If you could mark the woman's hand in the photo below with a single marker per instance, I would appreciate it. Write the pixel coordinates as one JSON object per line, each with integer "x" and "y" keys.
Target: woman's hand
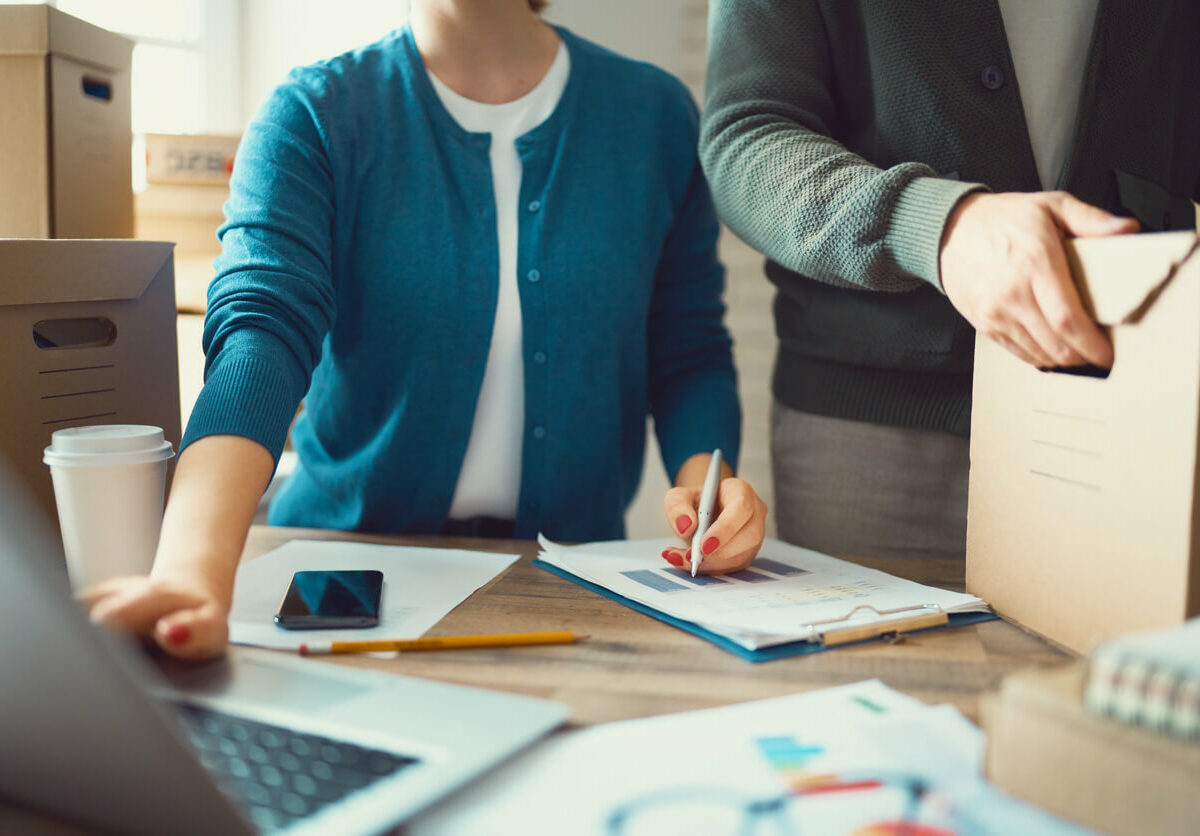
{"x": 180, "y": 617}
{"x": 183, "y": 605}
{"x": 739, "y": 523}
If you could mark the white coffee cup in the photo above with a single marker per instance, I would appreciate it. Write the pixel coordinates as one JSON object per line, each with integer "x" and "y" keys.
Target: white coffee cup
{"x": 109, "y": 482}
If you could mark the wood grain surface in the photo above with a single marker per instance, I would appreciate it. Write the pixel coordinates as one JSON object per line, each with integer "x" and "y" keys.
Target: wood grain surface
{"x": 635, "y": 666}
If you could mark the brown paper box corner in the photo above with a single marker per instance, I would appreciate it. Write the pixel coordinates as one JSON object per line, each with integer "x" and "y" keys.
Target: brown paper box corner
{"x": 88, "y": 336}
{"x": 65, "y": 136}
{"x": 1082, "y": 520}
{"x": 1046, "y": 748}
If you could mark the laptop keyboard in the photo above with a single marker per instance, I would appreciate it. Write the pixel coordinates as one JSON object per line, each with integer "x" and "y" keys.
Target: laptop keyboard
{"x": 278, "y": 775}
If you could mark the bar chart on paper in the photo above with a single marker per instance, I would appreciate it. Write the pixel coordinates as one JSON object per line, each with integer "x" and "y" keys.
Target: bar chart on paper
{"x": 787, "y": 595}
{"x": 836, "y": 762}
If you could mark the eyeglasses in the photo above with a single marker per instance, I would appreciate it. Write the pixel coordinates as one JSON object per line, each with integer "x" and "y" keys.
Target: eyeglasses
{"x": 856, "y": 805}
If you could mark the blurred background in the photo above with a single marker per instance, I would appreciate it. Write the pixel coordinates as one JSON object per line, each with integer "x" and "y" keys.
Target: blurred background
{"x": 201, "y": 68}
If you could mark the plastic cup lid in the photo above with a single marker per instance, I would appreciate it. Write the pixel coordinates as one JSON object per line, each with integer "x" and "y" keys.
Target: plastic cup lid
{"x": 108, "y": 444}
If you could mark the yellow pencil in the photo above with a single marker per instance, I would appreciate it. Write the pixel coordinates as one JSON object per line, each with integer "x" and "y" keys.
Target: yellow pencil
{"x": 441, "y": 642}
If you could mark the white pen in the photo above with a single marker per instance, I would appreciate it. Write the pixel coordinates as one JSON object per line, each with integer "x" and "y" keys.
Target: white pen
{"x": 708, "y": 498}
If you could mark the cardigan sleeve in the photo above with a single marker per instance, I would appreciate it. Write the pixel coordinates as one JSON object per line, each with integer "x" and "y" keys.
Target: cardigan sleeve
{"x": 780, "y": 178}
{"x": 692, "y": 382}
{"x": 271, "y": 301}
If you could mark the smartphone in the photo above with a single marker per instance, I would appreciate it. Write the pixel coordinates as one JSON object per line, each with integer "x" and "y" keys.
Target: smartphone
{"x": 327, "y": 599}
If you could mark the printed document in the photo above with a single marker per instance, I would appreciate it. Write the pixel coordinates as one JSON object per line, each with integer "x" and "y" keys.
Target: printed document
{"x": 420, "y": 586}
{"x": 787, "y": 594}
{"x": 846, "y": 761}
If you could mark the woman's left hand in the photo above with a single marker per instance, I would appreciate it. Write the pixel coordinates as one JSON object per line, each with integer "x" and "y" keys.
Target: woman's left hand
{"x": 735, "y": 535}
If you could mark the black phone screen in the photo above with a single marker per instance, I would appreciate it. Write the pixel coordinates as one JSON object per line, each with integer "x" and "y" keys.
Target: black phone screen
{"x": 320, "y": 600}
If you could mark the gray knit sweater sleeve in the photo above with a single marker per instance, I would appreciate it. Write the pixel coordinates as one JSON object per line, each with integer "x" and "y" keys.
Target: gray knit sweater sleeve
{"x": 779, "y": 176}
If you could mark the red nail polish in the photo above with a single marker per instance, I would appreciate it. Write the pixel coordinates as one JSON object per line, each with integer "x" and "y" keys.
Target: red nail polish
{"x": 683, "y": 522}
{"x": 672, "y": 558}
{"x": 178, "y": 634}
{"x": 710, "y": 545}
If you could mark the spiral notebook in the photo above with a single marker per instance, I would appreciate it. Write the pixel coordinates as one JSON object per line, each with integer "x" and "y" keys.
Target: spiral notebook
{"x": 790, "y": 601}
{"x": 1149, "y": 679}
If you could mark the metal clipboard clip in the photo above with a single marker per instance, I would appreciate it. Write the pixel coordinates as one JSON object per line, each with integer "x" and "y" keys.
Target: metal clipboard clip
{"x": 922, "y": 616}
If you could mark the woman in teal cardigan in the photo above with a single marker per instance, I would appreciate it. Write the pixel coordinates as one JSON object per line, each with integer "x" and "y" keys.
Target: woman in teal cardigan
{"x": 370, "y": 217}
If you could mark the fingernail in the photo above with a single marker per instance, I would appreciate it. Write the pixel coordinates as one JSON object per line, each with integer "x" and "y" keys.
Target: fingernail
{"x": 178, "y": 634}
{"x": 710, "y": 545}
{"x": 683, "y": 522}
{"x": 672, "y": 558}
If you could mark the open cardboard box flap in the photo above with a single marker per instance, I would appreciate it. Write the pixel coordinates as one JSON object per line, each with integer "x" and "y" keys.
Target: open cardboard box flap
{"x": 51, "y": 270}
{"x": 1083, "y": 517}
{"x": 1121, "y": 276}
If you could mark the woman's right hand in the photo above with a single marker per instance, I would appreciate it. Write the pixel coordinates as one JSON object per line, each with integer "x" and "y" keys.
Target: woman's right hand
{"x": 180, "y": 617}
{"x": 183, "y": 604}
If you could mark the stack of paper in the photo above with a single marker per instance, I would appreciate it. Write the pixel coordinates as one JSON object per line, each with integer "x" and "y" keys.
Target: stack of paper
{"x": 788, "y": 594}
{"x": 839, "y": 762}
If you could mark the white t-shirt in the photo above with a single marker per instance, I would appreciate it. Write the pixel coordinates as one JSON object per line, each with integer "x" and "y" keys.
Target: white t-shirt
{"x": 489, "y": 483}
{"x": 1049, "y": 41}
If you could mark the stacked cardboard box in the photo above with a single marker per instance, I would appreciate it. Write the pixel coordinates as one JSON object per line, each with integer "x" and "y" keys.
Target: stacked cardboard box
{"x": 65, "y": 140}
{"x": 187, "y": 184}
{"x": 87, "y": 333}
{"x": 1044, "y": 747}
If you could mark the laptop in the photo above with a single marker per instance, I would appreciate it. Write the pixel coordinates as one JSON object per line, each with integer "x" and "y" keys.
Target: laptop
{"x": 91, "y": 730}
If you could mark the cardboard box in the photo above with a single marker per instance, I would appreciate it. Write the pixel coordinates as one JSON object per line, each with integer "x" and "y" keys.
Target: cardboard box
{"x": 87, "y": 333}
{"x": 1083, "y": 520}
{"x": 189, "y": 216}
{"x": 65, "y": 138}
{"x": 190, "y": 158}
{"x": 1044, "y": 747}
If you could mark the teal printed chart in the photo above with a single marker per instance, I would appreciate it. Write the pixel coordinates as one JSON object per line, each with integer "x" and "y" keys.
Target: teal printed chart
{"x": 784, "y": 570}
{"x": 654, "y": 580}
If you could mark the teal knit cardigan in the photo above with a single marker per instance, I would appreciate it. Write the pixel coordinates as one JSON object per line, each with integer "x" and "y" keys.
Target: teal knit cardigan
{"x": 360, "y": 254}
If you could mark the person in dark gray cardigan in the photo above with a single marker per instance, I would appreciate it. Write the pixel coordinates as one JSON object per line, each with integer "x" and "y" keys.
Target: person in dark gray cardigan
{"x": 891, "y": 160}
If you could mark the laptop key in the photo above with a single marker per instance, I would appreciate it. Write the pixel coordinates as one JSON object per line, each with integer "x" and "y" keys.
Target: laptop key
{"x": 279, "y": 775}
{"x": 270, "y": 776}
{"x": 304, "y": 785}
{"x": 287, "y": 761}
{"x": 238, "y": 768}
{"x": 295, "y": 805}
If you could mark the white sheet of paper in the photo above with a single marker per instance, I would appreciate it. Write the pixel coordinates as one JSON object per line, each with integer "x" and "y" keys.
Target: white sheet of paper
{"x": 701, "y": 763}
{"x": 786, "y": 589}
{"x": 420, "y": 586}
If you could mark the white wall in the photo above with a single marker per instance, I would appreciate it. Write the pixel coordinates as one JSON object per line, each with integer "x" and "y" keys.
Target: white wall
{"x": 280, "y": 34}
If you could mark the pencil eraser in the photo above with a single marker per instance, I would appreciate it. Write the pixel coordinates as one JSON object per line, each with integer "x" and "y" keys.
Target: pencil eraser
{"x": 303, "y": 649}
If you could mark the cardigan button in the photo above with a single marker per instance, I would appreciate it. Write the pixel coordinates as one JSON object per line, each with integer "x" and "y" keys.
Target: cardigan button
{"x": 539, "y": 432}
{"x": 992, "y": 77}
{"x": 539, "y": 357}
{"x": 534, "y": 275}
{"x": 534, "y": 205}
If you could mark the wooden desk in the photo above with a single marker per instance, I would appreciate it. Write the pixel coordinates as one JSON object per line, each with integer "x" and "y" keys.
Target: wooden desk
{"x": 635, "y": 666}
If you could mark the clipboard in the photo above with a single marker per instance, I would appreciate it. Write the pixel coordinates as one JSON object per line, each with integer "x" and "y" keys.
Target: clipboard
{"x": 915, "y": 619}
